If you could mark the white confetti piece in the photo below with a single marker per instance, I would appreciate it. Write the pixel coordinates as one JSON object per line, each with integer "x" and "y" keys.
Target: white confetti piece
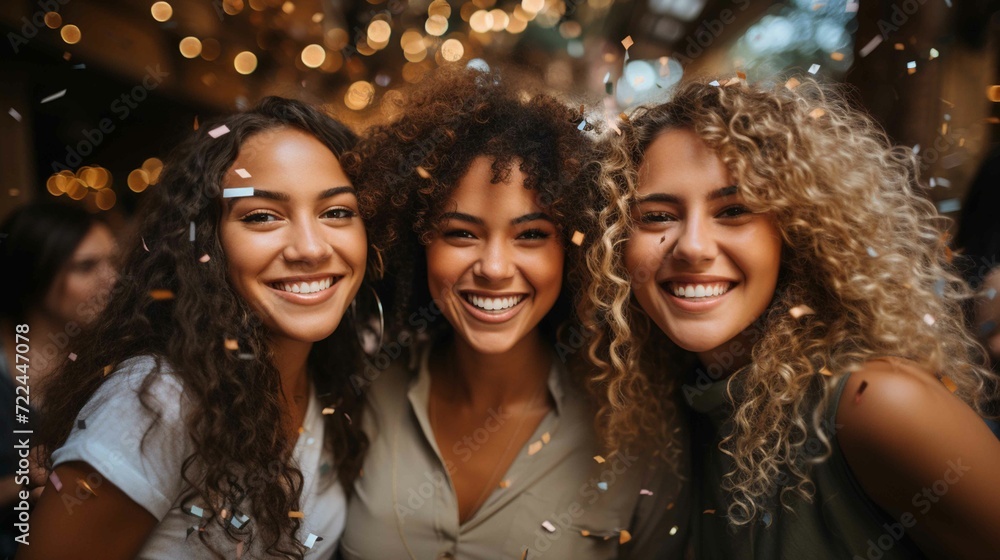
{"x": 144, "y": 244}
{"x": 191, "y": 232}
{"x": 867, "y": 49}
{"x": 929, "y": 319}
{"x": 949, "y": 205}
{"x": 602, "y": 486}
{"x": 851, "y": 8}
{"x": 243, "y": 173}
{"x": 310, "y": 541}
{"x": 218, "y": 131}
{"x": 54, "y": 96}
{"x": 911, "y": 64}
{"x": 548, "y": 526}
{"x": 991, "y": 293}
{"x": 13, "y": 113}
{"x": 814, "y": 68}
{"x": 714, "y": 83}
{"x": 196, "y": 511}
{"x": 801, "y": 311}
{"x": 237, "y": 192}
{"x": 872, "y": 253}
{"x": 934, "y": 54}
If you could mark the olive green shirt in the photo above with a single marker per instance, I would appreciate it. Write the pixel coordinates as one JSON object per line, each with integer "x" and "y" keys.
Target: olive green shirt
{"x": 841, "y": 522}
{"x": 556, "y": 500}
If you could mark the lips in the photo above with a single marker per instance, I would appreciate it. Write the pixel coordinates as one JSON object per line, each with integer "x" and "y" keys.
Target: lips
{"x": 306, "y": 290}
{"x": 493, "y": 304}
{"x": 492, "y": 308}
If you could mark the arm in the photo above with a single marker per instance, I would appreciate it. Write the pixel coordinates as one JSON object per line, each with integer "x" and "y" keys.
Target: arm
{"x": 919, "y": 451}
{"x": 75, "y": 523}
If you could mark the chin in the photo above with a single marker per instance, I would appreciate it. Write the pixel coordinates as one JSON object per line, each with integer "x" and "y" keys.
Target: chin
{"x": 493, "y": 343}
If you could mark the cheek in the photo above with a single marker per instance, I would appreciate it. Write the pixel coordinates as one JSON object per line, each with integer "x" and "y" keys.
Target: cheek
{"x": 641, "y": 257}
{"x": 442, "y": 263}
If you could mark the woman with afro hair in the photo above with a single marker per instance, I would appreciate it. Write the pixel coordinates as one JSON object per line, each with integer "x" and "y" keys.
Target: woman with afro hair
{"x": 774, "y": 256}
{"x": 483, "y": 438}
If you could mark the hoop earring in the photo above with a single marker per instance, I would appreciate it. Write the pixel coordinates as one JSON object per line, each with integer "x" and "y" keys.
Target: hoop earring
{"x": 370, "y": 338}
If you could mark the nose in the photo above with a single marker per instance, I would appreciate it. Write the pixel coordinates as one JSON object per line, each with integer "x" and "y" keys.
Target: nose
{"x": 495, "y": 263}
{"x": 306, "y": 243}
{"x": 696, "y": 242}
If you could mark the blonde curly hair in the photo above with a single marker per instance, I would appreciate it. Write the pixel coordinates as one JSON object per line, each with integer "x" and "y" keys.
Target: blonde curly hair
{"x": 861, "y": 247}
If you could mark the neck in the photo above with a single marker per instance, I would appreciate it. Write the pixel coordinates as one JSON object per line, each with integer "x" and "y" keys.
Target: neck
{"x": 729, "y": 357}
{"x": 290, "y": 358}
{"x": 494, "y": 380}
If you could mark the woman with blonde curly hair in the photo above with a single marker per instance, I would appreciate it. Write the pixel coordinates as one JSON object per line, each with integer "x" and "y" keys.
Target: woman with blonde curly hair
{"x": 800, "y": 290}
{"x": 483, "y": 442}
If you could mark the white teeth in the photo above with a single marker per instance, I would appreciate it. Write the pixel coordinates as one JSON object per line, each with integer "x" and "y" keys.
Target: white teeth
{"x": 699, "y": 290}
{"x": 305, "y": 287}
{"x": 493, "y": 304}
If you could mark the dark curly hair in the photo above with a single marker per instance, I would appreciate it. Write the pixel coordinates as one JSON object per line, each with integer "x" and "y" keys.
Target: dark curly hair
{"x": 237, "y": 431}
{"x": 411, "y": 166}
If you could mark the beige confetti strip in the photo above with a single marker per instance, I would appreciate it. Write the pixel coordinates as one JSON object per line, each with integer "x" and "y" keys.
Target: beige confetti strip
{"x": 296, "y": 514}
{"x": 423, "y": 172}
{"x": 546, "y": 438}
{"x": 599, "y": 459}
{"x": 577, "y": 238}
{"x": 505, "y": 484}
{"x": 535, "y": 447}
{"x": 232, "y": 344}
{"x": 627, "y": 42}
{"x": 161, "y": 294}
{"x": 800, "y": 311}
{"x": 949, "y": 383}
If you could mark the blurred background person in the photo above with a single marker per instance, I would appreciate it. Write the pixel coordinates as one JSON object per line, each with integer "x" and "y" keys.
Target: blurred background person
{"x": 58, "y": 261}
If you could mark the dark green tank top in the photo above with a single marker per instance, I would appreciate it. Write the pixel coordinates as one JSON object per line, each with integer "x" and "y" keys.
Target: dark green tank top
{"x": 841, "y": 522}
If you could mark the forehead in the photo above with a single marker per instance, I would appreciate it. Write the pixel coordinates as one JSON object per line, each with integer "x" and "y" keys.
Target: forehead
{"x": 677, "y": 161}
{"x": 475, "y": 193}
{"x": 285, "y": 152}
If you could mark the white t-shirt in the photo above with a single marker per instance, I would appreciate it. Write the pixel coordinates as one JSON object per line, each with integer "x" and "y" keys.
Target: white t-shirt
{"x": 108, "y": 435}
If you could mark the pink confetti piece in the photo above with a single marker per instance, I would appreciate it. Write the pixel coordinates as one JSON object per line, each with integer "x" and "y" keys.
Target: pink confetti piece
{"x": 218, "y": 131}
{"x": 56, "y": 483}
{"x": 205, "y": 258}
{"x": 645, "y": 492}
{"x": 13, "y": 113}
{"x": 243, "y": 173}
{"x": 144, "y": 245}
{"x": 72, "y": 357}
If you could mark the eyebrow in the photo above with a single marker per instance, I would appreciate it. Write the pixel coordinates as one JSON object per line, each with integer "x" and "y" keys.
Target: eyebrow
{"x": 283, "y": 197}
{"x": 671, "y": 199}
{"x": 462, "y": 216}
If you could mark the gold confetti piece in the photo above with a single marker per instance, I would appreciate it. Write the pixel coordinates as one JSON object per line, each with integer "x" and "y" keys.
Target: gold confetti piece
{"x": 585, "y": 533}
{"x": 577, "y": 238}
{"x": 623, "y": 117}
{"x": 524, "y": 555}
{"x": 196, "y": 122}
{"x": 218, "y": 131}
{"x": 709, "y": 511}
{"x": 899, "y": 46}
{"x": 505, "y": 484}
{"x": 302, "y": 429}
{"x": 83, "y": 483}
{"x": 817, "y": 113}
{"x": 670, "y": 506}
{"x": 535, "y": 447}
{"x": 231, "y": 344}
{"x": 800, "y": 311}
{"x": 599, "y": 459}
{"x": 423, "y": 172}
{"x": 792, "y": 83}
{"x": 837, "y": 56}
{"x": 624, "y": 537}
{"x": 329, "y": 410}
{"x": 243, "y": 173}
{"x": 949, "y": 383}
{"x": 825, "y": 371}
{"x": 741, "y": 75}
{"x": 205, "y": 258}
{"x": 107, "y": 369}
{"x": 161, "y": 294}
{"x": 546, "y": 438}
{"x": 627, "y": 42}
{"x": 296, "y": 514}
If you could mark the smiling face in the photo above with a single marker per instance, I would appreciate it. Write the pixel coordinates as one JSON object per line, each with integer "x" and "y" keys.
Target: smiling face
{"x": 703, "y": 266}
{"x": 296, "y": 250}
{"x": 81, "y": 288}
{"x": 495, "y": 263}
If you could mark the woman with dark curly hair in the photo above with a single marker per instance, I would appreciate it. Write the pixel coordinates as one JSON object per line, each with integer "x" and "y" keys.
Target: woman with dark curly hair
{"x": 483, "y": 445}
{"x": 191, "y": 424}
{"x": 799, "y": 286}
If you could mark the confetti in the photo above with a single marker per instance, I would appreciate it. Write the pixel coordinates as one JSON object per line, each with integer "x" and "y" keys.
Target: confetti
{"x": 939, "y": 285}
{"x": 196, "y": 122}
{"x": 823, "y": 370}
{"x": 741, "y": 75}
{"x": 813, "y": 69}
{"x": 548, "y": 526}
{"x": 766, "y": 518}
{"x": 929, "y": 319}
{"x": 423, "y": 173}
{"x": 310, "y": 540}
{"x": 505, "y": 484}
{"x": 240, "y": 520}
{"x": 535, "y": 447}
{"x": 80, "y": 67}
{"x": 608, "y": 86}
{"x": 585, "y": 533}
{"x": 582, "y": 125}
{"x": 161, "y": 294}
{"x": 296, "y": 514}
{"x": 546, "y": 438}
{"x": 947, "y": 381}
{"x": 792, "y": 83}
{"x": 899, "y": 46}
{"x": 231, "y": 344}
{"x": 838, "y": 56}
{"x": 709, "y": 511}
{"x": 13, "y": 113}
{"x": 54, "y": 479}
{"x": 714, "y": 83}
{"x": 599, "y": 459}
{"x": 934, "y": 54}
{"x": 949, "y": 205}
{"x": 524, "y": 555}
{"x": 911, "y": 67}
{"x": 329, "y": 410}
{"x": 195, "y": 511}
{"x": 107, "y": 370}
{"x": 144, "y": 244}
{"x": 645, "y": 492}
{"x": 871, "y": 252}
{"x": 801, "y": 311}
{"x": 602, "y": 486}
{"x": 83, "y": 483}
{"x": 670, "y": 506}
{"x": 851, "y": 8}
{"x": 867, "y": 49}
{"x": 245, "y": 356}
{"x": 991, "y": 293}
{"x": 237, "y": 192}
{"x": 817, "y": 113}
{"x": 348, "y": 416}
{"x": 81, "y": 423}
{"x": 673, "y": 530}
{"x": 191, "y": 232}
{"x": 627, "y": 42}
{"x": 861, "y": 389}
{"x": 243, "y": 173}
{"x": 54, "y": 96}
{"x": 218, "y": 131}
{"x": 72, "y": 356}
{"x": 577, "y": 238}
{"x": 624, "y": 537}
{"x": 205, "y": 258}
